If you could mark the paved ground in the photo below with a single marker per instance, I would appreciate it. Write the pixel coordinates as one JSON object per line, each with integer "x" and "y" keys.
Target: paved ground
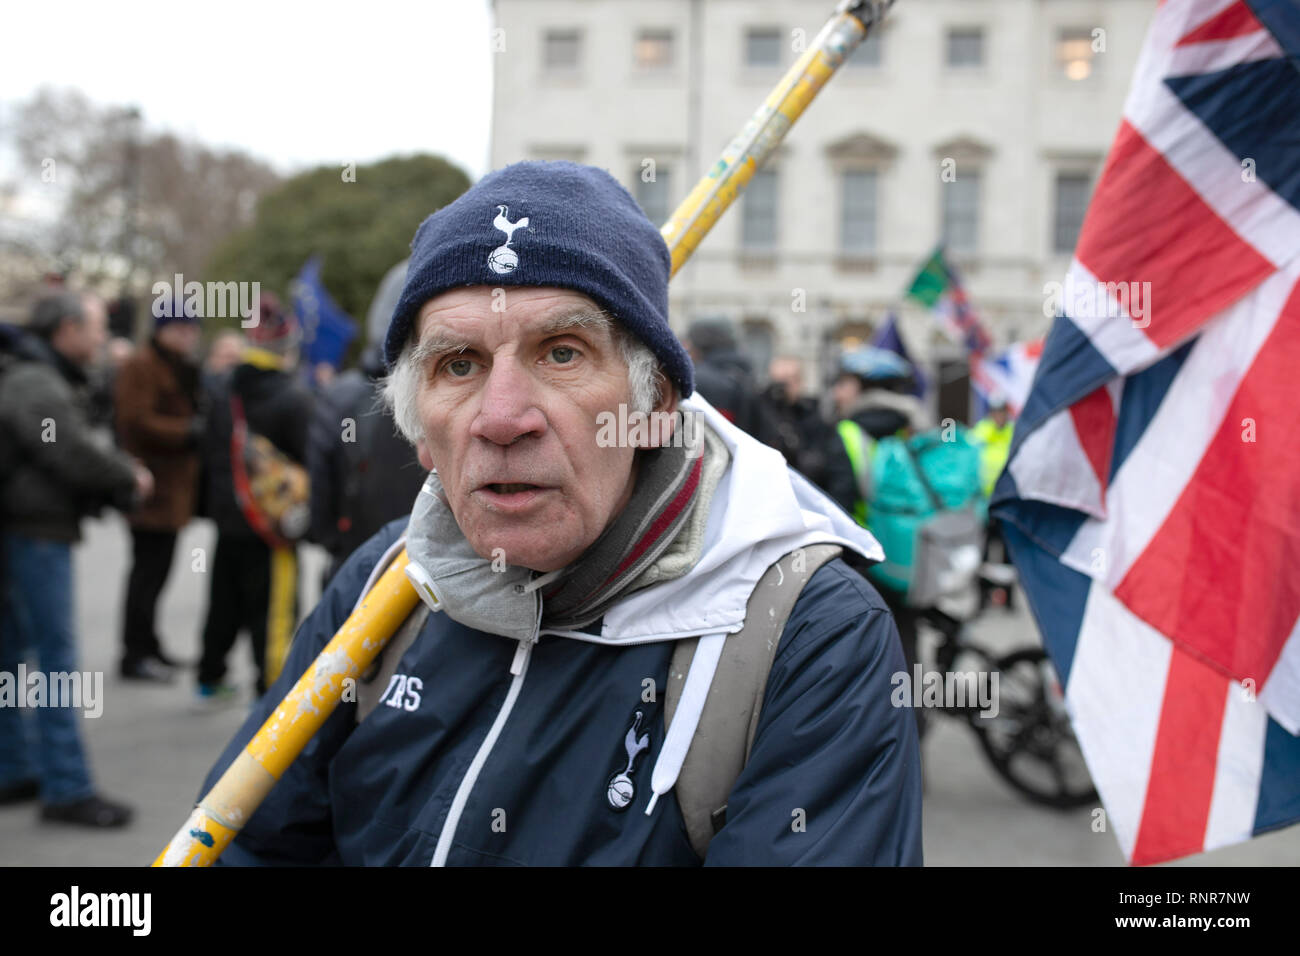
{"x": 152, "y": 749}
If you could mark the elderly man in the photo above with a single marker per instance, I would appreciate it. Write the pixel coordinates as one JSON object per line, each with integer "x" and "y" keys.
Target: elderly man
{"x": 644, "y": 646}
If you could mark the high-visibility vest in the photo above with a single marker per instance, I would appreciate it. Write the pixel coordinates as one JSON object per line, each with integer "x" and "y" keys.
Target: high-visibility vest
{"x": 859, "y": 446}
{"x": 995, "y": 445}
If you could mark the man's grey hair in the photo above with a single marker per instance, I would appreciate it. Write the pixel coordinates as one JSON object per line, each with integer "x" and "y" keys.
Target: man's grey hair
{"x": 645, "y": 376}
{"x": 50, "y": 311}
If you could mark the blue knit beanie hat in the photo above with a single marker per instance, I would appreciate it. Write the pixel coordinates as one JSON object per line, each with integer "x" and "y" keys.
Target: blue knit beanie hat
{"x": 554, "y": 224}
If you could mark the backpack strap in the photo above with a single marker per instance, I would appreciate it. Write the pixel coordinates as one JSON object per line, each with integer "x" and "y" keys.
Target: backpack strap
{"x": 725, "y": 733}
{"x": 930, "y": 493}
{"x": 373, "y": 683}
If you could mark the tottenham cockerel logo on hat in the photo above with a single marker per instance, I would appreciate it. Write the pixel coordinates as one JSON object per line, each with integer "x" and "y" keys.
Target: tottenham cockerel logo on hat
{"x": 503, "y": 259}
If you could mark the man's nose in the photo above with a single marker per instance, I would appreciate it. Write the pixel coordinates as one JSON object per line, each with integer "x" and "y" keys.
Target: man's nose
{"x": 509, "y": 409}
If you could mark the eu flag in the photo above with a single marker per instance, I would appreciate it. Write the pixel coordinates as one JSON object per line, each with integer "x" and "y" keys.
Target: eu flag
{"x": 326, "y": 329}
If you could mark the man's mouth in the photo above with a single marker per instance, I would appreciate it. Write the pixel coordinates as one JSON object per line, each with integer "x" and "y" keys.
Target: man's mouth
{"x": 511, "y": 497}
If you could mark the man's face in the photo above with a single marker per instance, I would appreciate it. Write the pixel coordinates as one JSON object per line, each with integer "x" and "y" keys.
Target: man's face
{"x": 225, "y": 353}
{"x": 183, "y": 338}
{"x": 788, "y": 373}
{"x": 509, "y": 399}
{"x": 845, "y": 392}
{"x": 82, "y": 342}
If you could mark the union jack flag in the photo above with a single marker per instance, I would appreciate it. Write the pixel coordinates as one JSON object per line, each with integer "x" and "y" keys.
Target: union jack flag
{"x": 1152, "y": 497}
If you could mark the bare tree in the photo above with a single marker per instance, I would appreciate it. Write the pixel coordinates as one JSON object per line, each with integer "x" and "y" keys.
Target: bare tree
{"x": 131, "y": 197}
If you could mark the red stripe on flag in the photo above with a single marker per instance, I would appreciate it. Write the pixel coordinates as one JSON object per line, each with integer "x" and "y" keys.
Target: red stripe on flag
{"x": 1181, "y": 784}
{"x": 1216, "y": 577}
{"x": 1145, "y": 224}
{"x": 1234, "y": 21}
{"x": 1094, "y": 423}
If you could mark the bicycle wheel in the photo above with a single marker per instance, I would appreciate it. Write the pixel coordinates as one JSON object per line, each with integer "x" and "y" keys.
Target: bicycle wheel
{"x": 1030, "y": 742}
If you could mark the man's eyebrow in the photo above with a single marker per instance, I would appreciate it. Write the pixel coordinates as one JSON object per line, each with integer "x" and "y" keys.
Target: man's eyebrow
{"x": 436, "y": 343}
{"x": 439, "y": 342}
{"x": 583, "y": 318}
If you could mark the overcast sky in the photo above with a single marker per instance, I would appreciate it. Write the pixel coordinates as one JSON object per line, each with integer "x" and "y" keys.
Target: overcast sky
{"x": 297, "y": 84}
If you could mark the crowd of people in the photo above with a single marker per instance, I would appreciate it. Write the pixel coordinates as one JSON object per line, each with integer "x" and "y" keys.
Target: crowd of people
{"x": 164, "y": 438}
{"x": 88, "y": 424}
{"x": 836, "y": 443}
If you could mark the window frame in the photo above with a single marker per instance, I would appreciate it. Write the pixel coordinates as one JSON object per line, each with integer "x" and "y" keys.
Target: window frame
{"x": 557, "y": 69}
{"x": 664, "y": 181}
{"x": 872, "y": 249}
{"x": 1058, "y": 175}
{"x": 654, "y": 68}
{"x": 972, "y": 173}
{"x": 747, "y": 201}
{"x": 970, "y": 28}
{"x": 747, "y": 36}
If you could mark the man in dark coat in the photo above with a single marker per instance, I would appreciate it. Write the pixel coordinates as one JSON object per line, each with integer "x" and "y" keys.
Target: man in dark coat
{"x": 248, "y": 581}
{"x": 791, "y": 422}
{"x": 363, "y": 473}
{"x": 156, "y": 407}
{"x": 722, "y": 373}
{"x": 57, "y": 469}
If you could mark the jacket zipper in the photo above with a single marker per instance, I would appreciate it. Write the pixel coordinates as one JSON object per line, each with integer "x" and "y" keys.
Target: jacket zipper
{"x": 518, "y": 668}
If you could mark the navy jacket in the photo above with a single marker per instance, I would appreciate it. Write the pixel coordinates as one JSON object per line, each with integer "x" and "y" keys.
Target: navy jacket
{"x": 833, "y": 777}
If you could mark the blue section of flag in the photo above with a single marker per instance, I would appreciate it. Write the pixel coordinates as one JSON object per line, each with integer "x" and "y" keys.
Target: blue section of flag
{"x": 1057, "y": 594}
{"x": 1279, "y": 782}
{"x": 327, "y": 330}
{"x": 1071, "y": 368}
{"x": 1282, "y": 19}
{"x": 888, "y": 338}
{"x": 1143, "y": 393}
{"x": 1254, "y": 110}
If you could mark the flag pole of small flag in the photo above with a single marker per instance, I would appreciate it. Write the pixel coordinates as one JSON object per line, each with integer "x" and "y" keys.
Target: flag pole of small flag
{"x": 1152, "y": 497}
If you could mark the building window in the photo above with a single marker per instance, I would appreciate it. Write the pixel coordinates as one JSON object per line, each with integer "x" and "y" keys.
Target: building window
{"x": 762, "y": 46}
{"x": 653, "y": 50}
{"x": 655, "y": 197}
{"x": 758, "y": 213}
{"x": 965, "y": 47}
{"x": 858, "y": 212}
{"x": 961, "y": 212}
{"x": 757, "y": 343}
{"x": 1074, "y": 53}
{"x": 1070, "y": 205}
{"x": 868, "y": 52}
{"x": 562, "y": 50}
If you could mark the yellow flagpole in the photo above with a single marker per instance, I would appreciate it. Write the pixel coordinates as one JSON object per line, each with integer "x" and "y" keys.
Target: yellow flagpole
{"x": 240, "y": 790}
{"x": 228, "y": 805}
{"x": 759, "y": 137}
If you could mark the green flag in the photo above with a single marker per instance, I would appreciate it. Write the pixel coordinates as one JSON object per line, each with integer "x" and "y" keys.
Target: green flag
{"x": 932, "y": 281}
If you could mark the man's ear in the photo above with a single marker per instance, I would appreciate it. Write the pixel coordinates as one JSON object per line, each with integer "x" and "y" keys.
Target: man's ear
{"x": 422, "y": 452}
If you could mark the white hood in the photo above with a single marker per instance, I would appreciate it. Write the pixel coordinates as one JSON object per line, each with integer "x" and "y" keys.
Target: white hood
{"x": 760, "y": 511}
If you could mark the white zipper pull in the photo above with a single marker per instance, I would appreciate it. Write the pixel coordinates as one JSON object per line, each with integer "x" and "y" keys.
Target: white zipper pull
{"x": 521, "y": 655}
